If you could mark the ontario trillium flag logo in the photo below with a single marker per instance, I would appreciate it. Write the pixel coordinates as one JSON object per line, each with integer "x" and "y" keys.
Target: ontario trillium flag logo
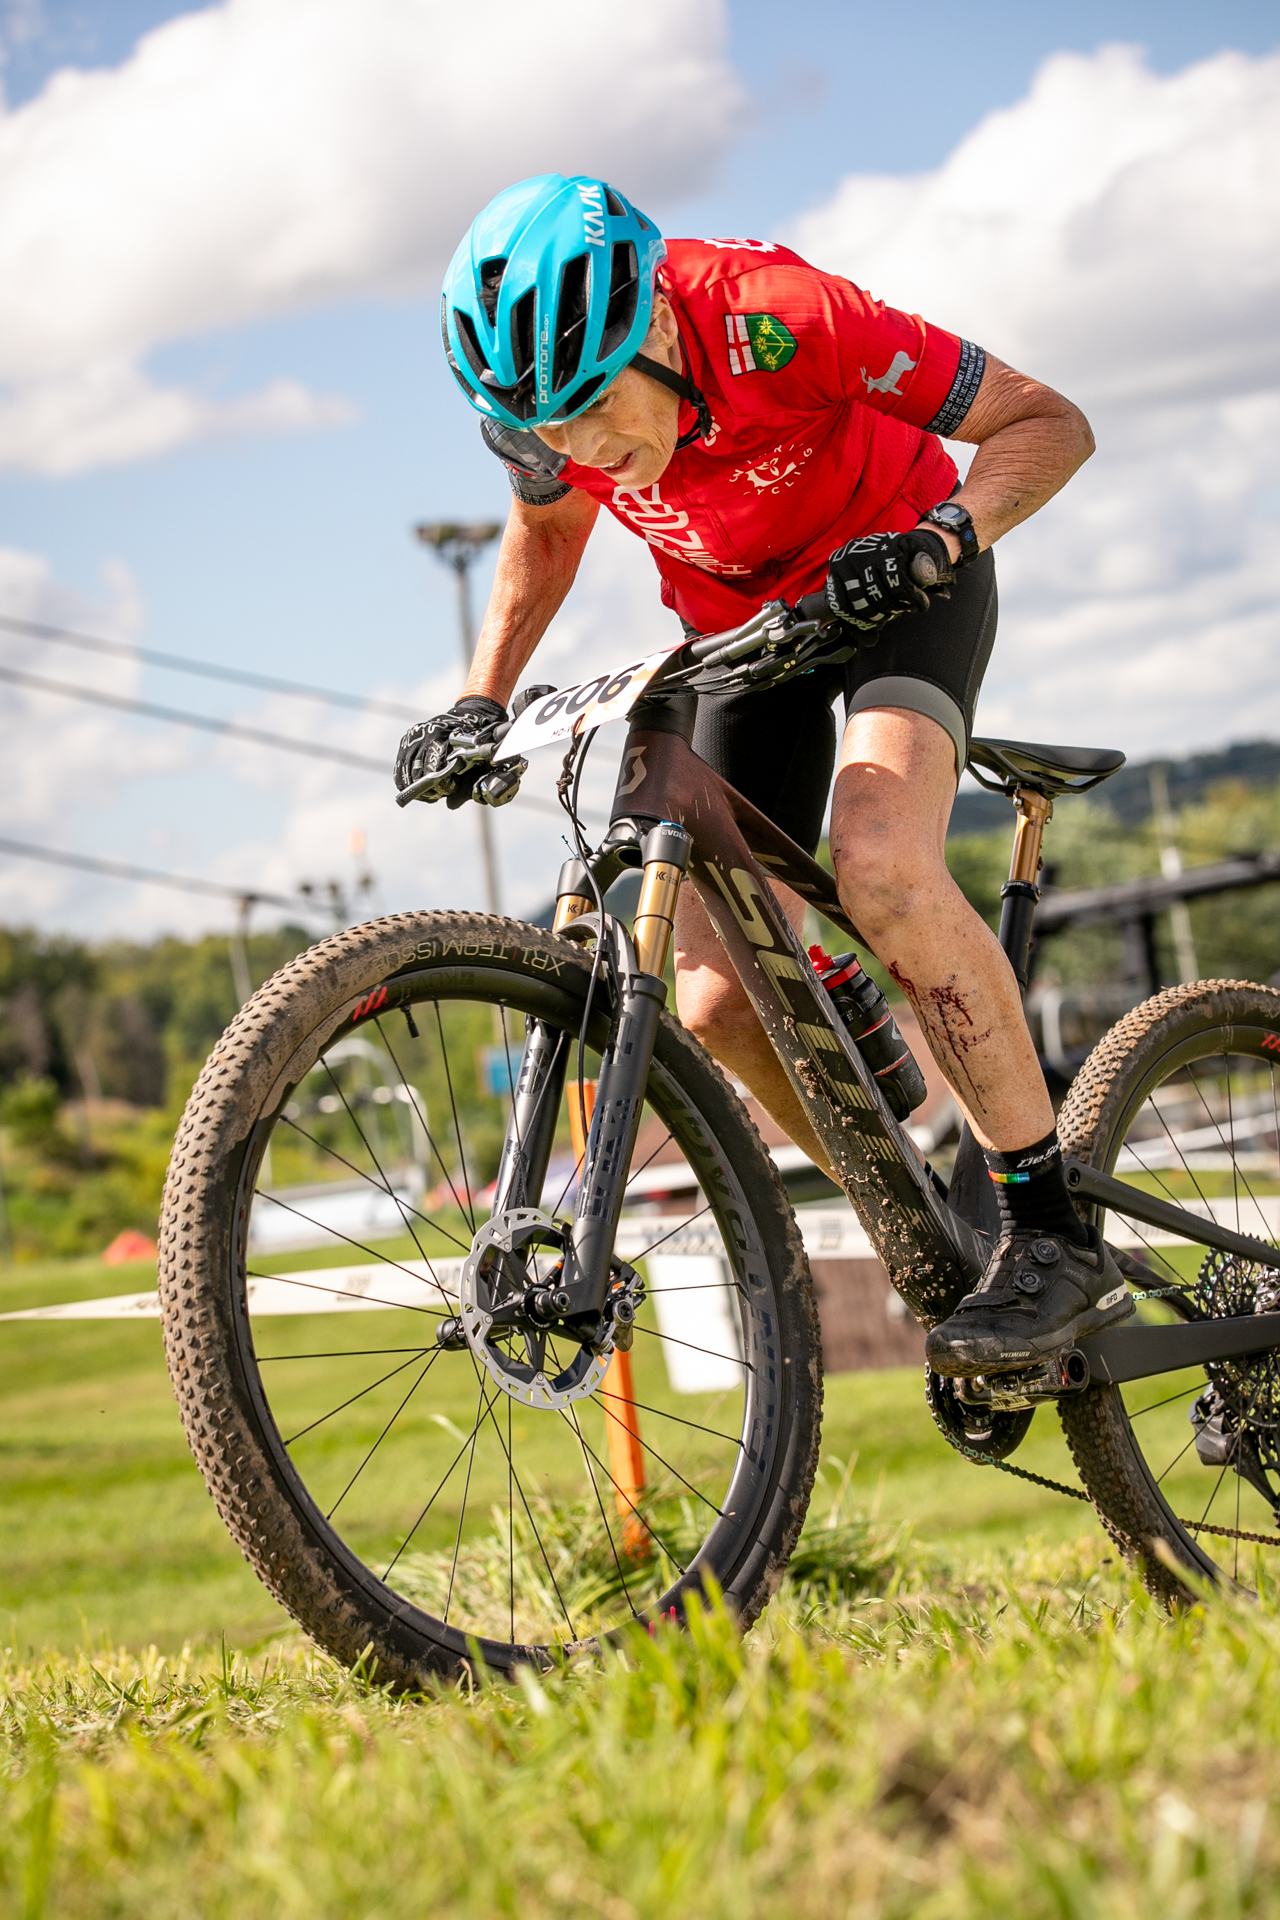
{"x": 758, "y": 342}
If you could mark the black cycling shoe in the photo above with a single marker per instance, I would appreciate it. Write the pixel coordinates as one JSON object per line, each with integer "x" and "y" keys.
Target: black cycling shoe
{"x": 1039, "y": 1295}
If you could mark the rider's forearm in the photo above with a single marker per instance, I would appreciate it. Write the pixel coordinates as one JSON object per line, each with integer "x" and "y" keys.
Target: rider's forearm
{"x": 537, "y": 563}
{"x": 1030, "y": 441}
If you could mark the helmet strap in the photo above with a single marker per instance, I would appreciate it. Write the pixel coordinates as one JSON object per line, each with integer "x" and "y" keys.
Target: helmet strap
{"x": 685, "y": 389}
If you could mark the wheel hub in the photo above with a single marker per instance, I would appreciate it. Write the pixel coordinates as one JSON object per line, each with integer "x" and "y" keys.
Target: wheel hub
{"x": 512, "y": 1317}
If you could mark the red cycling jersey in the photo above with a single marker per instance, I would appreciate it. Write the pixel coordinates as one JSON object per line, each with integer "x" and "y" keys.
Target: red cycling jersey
{"x": 825, "y": 406}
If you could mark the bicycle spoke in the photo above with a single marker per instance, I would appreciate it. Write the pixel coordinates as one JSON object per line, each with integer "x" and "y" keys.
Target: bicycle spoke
{"x": 1156, "y": 1405}
{"x": 440, "y": 1485}
{"x": 639, "y": 1513}
{"x": 466, "y": 1489}
{"x": 360, "y": 1174}
{"x": 386, "y": 1184}
{"x": 665, "y": 1465}
{"x": 313, "y": 1286}
{"x": 337, "y": 1353}
{"x": 663, "y": 1414}
{"x": 342, "y": 1406}
{"x": 457, "y": 1124}
{"x": 382, "y": 1436}
{"x": 604, "y": 1518}
{"x": 731, "y": 1359}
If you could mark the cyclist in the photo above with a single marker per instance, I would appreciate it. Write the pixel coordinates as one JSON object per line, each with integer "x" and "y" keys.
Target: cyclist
{"x": 770, "y": 429}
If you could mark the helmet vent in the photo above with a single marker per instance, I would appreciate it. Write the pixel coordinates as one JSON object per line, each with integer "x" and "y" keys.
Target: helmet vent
{"x": 491, "y": 272}
{"x": 614, "y": 205}
{"x": 470, "y": 344}
{"x": 624, "y": 294}
{"x": 524, "y": 322}
{"x": 571, "y": 320}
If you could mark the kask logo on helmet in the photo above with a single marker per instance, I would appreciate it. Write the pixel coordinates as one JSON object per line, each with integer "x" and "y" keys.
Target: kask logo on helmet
{"x": 592, "y": 214}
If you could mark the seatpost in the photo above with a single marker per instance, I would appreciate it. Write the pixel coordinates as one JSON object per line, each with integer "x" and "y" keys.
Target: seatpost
{"x": 1021, "y": 892}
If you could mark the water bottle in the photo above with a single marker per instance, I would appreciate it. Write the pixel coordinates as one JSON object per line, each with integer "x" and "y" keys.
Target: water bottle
{"x": 865, "y": 1011}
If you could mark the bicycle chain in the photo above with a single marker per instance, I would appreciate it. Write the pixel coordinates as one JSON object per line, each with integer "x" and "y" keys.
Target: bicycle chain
{"x": 1075, "y": 1493}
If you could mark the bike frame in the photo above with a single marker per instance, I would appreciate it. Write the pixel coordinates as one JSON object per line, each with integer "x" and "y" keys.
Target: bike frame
{"x": 934, "y": 1252}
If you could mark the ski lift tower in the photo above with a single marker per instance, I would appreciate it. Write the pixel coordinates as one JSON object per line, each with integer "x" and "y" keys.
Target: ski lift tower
{"x": 458, "y": 546}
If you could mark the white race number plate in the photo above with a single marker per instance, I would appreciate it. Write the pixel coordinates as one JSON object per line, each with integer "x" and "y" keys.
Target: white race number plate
{"x": 574, "y": 709}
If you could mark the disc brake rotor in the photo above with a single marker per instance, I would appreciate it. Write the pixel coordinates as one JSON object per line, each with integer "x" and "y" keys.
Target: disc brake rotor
{"x": 521, "y": 1348}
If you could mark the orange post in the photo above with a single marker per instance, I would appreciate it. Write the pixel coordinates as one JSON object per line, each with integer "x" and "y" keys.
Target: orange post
{"x": 622, "y": 1422}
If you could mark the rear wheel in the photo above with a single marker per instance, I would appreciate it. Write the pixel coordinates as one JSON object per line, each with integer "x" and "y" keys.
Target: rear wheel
{"x": 1181, "y": 1100}
{"x": 402, "y": 1488}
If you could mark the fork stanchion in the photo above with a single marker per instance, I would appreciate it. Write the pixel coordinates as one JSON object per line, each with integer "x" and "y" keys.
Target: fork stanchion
{"x": 626, "y": 1455}
{"x": 666, "y": 859}
{"x": 573, "y": 899}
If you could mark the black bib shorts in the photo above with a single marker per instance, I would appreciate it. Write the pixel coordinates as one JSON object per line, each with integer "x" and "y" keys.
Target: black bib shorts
{"x": 778, "y": 746}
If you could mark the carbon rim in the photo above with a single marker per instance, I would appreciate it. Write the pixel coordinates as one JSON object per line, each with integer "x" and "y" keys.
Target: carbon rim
{"x": 482, "y": 1525}
{"x": 1202, "y": 1128}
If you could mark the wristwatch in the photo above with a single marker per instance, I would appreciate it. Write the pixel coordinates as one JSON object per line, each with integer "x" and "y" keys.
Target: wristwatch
{"x": 955, "y": 518}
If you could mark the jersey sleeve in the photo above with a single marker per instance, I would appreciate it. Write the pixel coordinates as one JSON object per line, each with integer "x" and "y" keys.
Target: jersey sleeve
{"x": 829, "y": 341}
{"x": 899, "y": 364}
{"x": 533, "y": 470}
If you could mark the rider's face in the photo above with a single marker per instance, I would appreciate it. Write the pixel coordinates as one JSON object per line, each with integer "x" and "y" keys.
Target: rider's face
{"x": 630, "y": 432}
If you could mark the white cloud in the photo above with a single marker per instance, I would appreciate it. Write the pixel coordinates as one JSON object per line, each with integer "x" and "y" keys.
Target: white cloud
{"x": 261, "y": 156}
{"x": 1117, "y": 233}
{"x": 43, "y": 785}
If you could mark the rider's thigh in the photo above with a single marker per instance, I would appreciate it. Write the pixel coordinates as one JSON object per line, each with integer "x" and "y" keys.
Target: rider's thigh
{"x": 709, "y": 994}
{"x": 894, "y": 790}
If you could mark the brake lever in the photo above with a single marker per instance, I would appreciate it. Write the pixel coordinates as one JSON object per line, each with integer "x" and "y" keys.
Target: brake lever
{"x": 465, "y": 751}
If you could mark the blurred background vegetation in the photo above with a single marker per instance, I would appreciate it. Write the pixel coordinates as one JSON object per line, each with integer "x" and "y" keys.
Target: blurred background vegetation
{"x": 100, "y": 1045}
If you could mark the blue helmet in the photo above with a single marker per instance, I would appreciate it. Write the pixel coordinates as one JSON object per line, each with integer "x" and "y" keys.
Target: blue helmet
{"x": 548, "y": 297}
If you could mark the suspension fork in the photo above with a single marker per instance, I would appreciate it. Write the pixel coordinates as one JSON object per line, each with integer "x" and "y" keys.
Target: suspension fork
{"x": 624, "y": 1066}
{"x": 535, "y": 1110}
{"x": 971, "y": 1194}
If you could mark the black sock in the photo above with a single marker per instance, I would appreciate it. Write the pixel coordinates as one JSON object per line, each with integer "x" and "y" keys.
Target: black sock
{"x": 1031, "y": 1192}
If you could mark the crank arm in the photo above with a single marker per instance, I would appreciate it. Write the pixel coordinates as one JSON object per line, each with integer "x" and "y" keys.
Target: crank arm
{"x": 1086, "y": 1183}
{"x": 1135, "y": 1353}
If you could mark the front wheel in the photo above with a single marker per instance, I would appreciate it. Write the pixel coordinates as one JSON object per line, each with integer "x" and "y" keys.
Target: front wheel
{"x": 1181, "y": 1100}
{"x": 398, "y": 1489}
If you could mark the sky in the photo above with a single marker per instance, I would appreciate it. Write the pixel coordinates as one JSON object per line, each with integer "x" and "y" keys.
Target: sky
{"x": 223, "y": 405}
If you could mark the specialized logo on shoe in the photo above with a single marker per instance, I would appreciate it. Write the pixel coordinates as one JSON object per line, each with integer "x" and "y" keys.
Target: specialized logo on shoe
{"x": 888, "y": 381}
{"x": 758, "y": 342}
{"x": 1111, "y": 1299}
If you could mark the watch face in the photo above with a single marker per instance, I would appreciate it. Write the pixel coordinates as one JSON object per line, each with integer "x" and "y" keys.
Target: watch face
{"x": 953, "y": 516}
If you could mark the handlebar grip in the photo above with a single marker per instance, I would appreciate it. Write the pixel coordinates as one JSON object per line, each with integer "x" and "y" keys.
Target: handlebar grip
{"x": 924, "y": 570}
{"x": 813, "y": 606}
{"x": 406, "y": 794}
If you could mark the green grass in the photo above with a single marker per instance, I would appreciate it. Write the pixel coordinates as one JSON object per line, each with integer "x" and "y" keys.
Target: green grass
{"x": 109, "y": 1532}
{"x": 961, "y": 1706}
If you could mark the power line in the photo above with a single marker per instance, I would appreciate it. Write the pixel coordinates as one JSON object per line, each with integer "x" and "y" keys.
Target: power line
{"x": 177, "y": 717}
{"x": 208, "y": 669}
{"x": 121, "y": 870}
{"x": 282, "y": 741}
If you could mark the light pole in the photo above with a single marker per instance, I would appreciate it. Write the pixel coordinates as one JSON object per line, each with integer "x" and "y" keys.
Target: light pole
{"x": 458, "y": 546}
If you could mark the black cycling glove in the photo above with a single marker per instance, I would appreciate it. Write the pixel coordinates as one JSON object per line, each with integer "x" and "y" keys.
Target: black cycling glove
{"x": 425, "y": 749}
{"x": 869, "y": 581}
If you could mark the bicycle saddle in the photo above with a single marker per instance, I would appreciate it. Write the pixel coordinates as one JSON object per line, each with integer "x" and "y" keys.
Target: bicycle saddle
{"x": 1050, "y": 770}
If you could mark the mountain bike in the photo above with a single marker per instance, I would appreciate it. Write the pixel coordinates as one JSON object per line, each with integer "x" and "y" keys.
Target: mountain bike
{"x": 596, "y": 1386}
